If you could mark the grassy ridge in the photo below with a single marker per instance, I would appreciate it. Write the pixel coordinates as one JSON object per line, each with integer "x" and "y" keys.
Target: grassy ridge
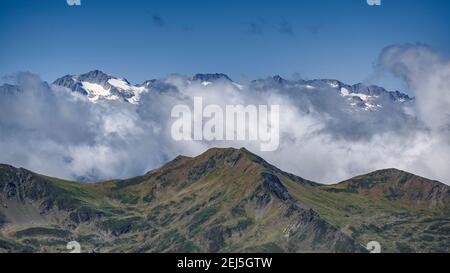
{"x": 226, "y": 200}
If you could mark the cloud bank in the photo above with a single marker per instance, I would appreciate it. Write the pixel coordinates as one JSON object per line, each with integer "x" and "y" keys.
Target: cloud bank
{"x": 56, "y": 132}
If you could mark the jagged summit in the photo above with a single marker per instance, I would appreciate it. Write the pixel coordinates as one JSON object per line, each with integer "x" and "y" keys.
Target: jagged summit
{"x": 96, "y": 76}
{"x": 278, "y": 79}
{"x": 210, "y": 77}
{"x": 99, "y": 86}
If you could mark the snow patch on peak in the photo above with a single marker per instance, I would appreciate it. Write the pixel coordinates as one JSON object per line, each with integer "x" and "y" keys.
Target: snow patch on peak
{"x": 119, "y": 83}
{"x": 96, "y": 89}
{"x": 364, "y": 97}
{"x": 334, "y": 84}
{"x": 366, "y": 101}
{"x": 97, "y": 85}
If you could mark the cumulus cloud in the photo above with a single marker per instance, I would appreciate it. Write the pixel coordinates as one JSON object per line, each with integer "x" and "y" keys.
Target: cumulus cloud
{"x": 427, "y": 75}
{"x": 52, "y": 131}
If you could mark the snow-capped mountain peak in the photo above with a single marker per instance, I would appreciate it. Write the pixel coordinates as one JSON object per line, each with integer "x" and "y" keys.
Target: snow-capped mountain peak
{"x": 97, "y": 86}
{"x": 361, "y": 97}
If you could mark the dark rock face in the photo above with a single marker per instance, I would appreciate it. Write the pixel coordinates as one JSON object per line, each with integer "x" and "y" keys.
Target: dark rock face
{"x": 272, "y": 184}
{"x": 260, "y": 198}
{"x": 379, "y": 91}
{"x": 321, "y": 235}
{"x": 278, "y": 79}
{"x": 21, "y": 184}
{"x": 26, "y": 187}
{"x": 70, "y": 83}
{"x": 95, "y": 76}
{"x": 210, "y": 77}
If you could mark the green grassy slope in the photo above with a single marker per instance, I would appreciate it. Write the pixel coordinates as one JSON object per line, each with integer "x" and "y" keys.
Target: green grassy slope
{"x": 405, "y": 213}
{"x": 225, "y": 200}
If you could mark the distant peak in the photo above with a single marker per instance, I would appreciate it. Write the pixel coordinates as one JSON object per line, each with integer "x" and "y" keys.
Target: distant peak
{"x": 278, "y": 79}
{"x": 210, "y": 77}
{"x": 95, "y": 72}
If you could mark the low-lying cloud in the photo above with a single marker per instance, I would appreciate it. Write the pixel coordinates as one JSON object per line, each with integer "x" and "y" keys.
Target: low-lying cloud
{"x": 50, "y": 130}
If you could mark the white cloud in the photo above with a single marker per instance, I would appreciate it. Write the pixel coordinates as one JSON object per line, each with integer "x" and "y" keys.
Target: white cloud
{"x": 53, "y": 132}
{"x": 428, "y": 76}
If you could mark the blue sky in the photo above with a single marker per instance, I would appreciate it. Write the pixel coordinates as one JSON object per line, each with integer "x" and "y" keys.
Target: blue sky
{"x": 142, "y": 40}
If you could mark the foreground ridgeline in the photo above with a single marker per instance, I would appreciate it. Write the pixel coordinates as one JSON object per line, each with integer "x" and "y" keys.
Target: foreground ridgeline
{"x": 225, "y": 200}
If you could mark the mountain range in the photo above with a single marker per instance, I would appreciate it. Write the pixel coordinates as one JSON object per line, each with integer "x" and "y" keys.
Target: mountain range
{"x": 97, "y": 85}
{"x": 224, "y": 200}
